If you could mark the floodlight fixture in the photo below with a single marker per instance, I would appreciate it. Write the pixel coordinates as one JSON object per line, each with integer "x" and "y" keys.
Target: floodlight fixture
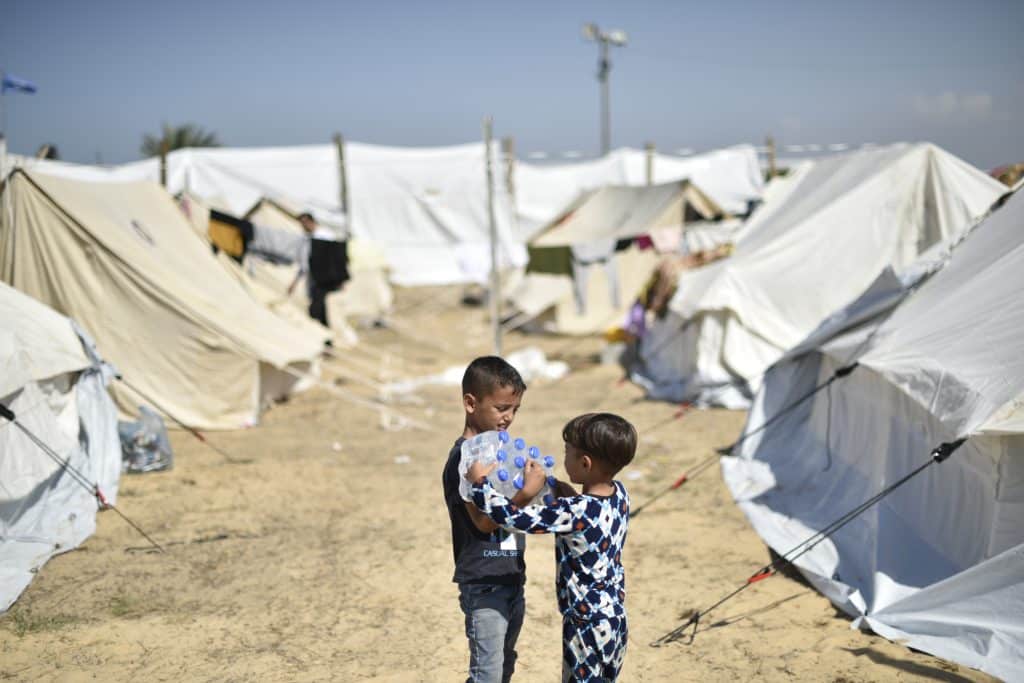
{"x": 591, "y": 32}
{"x": 616, "y": 37}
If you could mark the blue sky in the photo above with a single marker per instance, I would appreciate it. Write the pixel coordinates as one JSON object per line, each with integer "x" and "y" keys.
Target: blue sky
{"x": 697, "y": 75}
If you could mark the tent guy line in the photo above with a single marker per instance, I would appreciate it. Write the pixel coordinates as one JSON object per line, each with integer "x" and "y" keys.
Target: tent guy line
{"x": 231, "y": 460}
{"x": 75, "y": 474}
{"x": 939, "y": 454}
{"x": 727, "y": 450}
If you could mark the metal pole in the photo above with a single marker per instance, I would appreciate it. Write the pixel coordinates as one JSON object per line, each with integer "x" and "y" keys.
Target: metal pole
{"x": 163, "y": 162}
{"x": 649, "y": 150}
{"x": 508, "y": 151}
{"x": 339, "y": 143}
{"x": 603, "y": 69}
{"x": 495, "y": 297}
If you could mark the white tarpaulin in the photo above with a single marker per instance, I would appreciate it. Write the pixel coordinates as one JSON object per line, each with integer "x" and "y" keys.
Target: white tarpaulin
{"x": 56, "y": 386}
{"x": 731, "y": 177}
{"x": 818, "y": 248}
{"x": 426, "y": 207}
{"x": 939, "y": 563}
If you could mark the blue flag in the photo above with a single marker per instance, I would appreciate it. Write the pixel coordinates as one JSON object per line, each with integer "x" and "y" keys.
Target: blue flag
{"x": 16, "y": 84}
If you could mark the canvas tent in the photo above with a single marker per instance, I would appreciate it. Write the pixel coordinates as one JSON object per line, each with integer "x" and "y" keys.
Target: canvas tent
{"x": 575, "y": 267}
{"x": 819, "y": 247}
{"x": 123, "y": 261}
{"x": 53, "y": 381}
{"x": 938, "y": 564}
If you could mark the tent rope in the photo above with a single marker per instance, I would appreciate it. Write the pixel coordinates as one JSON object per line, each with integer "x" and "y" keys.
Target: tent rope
{"x": 727, "y": 450}
{"x": 939, "y": 454}
{"x": 76, "y": 475}
{"x": 191, "y": 430}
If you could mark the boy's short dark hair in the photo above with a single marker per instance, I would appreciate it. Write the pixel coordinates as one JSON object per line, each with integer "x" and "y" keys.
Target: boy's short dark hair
{"x": 487, "y": 373}
{"x": 305, "y": 215}
{"x": 608, "y": 438}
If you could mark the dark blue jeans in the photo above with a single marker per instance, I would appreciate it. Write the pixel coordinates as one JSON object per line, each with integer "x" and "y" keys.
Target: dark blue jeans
{"x": 494, "y": 616}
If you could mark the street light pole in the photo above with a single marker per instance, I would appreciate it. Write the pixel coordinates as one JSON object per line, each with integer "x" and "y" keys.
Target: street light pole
{"x": 606, "y": 115}
{"x": 604, "y": 40}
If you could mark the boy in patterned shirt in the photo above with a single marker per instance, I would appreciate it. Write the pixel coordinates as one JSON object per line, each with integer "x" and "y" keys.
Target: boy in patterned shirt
{"x": 590, "y": 530}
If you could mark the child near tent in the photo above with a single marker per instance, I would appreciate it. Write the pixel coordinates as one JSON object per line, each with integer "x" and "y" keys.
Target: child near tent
{"x": 489, "y": 564}
{"x": 590, "y": 533}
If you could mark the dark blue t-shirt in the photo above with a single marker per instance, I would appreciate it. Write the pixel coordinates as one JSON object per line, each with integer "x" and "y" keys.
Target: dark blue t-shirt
{"x": 497, "y": 557}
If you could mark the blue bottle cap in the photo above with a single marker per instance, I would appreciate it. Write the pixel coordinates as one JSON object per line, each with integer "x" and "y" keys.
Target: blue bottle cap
{"x": 501, "y": 455}
{"x": 503, "y": 474}
{"x": 520, "y": 461}
{"x": 519, "y": 444}
{"x": 551, "y": 480}
{"x": 549, "y": 499}
{"x": 503, "y": 436}
{"x": 518, "y": 481}
{"x": 534, "y": 452}
{"x": 548, "y": 461}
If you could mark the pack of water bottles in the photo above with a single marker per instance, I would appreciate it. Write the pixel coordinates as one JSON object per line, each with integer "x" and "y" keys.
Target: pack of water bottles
{"x": 511, "y": 456}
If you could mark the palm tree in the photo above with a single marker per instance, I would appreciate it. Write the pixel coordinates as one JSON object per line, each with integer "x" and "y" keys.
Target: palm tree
{"x": 176, "y": 137}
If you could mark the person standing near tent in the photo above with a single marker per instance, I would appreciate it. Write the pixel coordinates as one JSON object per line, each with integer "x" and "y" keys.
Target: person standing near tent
{"x": 590, "y": 533}
{"x": 489, "y": 562}
{"x": 323, "y": 260}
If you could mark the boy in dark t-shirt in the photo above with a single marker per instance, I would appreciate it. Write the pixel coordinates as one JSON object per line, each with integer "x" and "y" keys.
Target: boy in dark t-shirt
{"x": 489, "y": 564}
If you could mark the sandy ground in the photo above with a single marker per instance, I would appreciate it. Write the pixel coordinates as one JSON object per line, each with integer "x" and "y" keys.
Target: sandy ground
{"x": 325, "y": 555}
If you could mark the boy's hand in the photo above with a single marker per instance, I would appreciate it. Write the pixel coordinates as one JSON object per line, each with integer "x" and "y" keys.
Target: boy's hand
{"x": 478, "y": 471}
{"x": 533, "y": 478}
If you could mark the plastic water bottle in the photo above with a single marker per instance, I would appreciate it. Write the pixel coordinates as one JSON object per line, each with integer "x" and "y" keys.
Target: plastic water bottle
{"x": 511, "y": 456}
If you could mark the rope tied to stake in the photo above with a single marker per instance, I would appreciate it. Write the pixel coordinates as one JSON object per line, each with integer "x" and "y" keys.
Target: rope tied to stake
{"x": 938, "y": 454}
{"x": 76, "y": 475}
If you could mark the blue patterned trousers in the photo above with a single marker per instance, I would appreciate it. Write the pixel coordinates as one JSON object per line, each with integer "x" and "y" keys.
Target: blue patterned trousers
{"x": 592, "y": 650}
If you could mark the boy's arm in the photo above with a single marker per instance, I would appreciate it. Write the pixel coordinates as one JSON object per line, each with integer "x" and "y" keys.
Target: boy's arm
{"x": 484, "y": 523}
{"x": 558, "y": 517}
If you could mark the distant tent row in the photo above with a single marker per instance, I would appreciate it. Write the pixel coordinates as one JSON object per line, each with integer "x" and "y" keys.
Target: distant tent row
{"x": 53, "y": 381}
{"x": 939, "y": 564}
{"x": 426, "y": 208}
{"x": 800, "y": 258}
{"x": 122, "y": 259}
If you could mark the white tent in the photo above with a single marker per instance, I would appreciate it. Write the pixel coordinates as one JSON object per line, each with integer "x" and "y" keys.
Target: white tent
{"x": 801, "y": 258}
{"x": 122, "y": 259}
{"x": 56, "y": 386}
{"x": 939, "y": 563}
{"x": 576, "y": 269}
